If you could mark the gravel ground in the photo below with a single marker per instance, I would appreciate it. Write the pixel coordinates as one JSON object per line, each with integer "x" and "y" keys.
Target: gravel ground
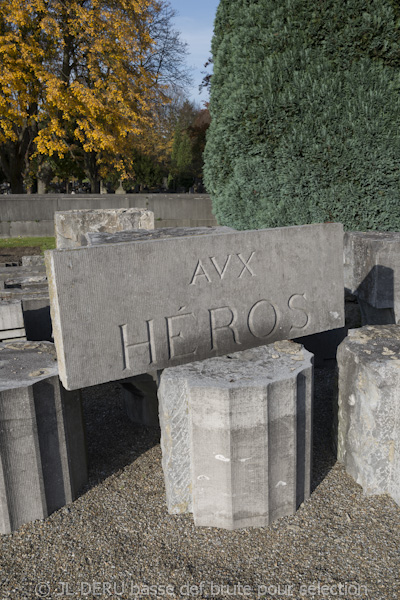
{"x": 118, "y": 541}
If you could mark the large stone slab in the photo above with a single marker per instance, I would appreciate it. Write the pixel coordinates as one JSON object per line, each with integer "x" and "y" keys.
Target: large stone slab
{"x": 120, "y": 310}
{"x": 369, "y": 408}
{"x": 72, "y": 225}
{"x": 236, "y": 435}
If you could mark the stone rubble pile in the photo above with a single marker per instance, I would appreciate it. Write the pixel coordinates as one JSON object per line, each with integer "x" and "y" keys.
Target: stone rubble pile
{"x": 205, "y": 316}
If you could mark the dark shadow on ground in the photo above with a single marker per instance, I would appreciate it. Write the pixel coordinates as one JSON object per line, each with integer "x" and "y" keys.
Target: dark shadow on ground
{"x": 325, "y": 403}
{"x": 113, "y": 441}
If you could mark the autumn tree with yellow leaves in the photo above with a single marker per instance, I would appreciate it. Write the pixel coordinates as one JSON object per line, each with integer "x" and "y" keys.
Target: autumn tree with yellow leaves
{"x": 83, "y": 79}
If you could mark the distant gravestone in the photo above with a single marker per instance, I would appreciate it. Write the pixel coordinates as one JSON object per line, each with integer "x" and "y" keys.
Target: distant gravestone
{"x": 120, "y": 310}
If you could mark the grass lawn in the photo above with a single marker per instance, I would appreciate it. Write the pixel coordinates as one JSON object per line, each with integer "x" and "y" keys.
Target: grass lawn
{"x": 45, "y": 243}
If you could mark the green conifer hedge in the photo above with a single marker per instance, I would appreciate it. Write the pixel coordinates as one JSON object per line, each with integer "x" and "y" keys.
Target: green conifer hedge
{"x": 305, "y": 107}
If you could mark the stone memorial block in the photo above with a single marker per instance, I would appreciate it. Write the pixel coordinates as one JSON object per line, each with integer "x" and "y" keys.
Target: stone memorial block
{"x": 372, "y": 273}
{"x": 369, "y": 408}
{"x": 120, "y": 310}
{"x": 236, "y": 435}
{"x": 43, "y": 461}
{"x": 72, "y": 225}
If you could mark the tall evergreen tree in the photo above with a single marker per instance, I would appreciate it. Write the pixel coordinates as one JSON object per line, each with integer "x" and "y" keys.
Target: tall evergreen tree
{"x": 305, "y": 110}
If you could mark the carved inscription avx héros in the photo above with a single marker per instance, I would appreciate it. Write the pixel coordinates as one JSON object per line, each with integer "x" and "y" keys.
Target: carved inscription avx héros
{"x": 122, "y": 309}
{"x": 226, "y": 325}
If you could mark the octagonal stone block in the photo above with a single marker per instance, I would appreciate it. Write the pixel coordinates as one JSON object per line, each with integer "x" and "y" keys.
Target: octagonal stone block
{"x": 236, "y": 435}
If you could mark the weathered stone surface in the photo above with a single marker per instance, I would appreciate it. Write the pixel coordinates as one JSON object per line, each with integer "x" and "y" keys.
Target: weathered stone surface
{"x": 372, "y": 273}
{"x": 369, "y": 408}
{"x": 42, "y": 447}
{"x": 21, "y": 294}
{"x": 7, "y": 272}
{"x": 17, "y": 281}
{"x": 236, "y": 435}
{"x": 24, "y": 363}
{"x": 11, "y": 321}
{"x": 120, "y": 310}
{"x": 135, "y": 235}
{"x": 72, "y": 225}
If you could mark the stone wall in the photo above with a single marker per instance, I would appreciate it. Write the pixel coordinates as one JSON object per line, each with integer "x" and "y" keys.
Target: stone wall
{"x": 33, "y": 214}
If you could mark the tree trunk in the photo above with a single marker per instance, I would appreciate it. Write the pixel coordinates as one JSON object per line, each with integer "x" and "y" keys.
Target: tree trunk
{"x": 95, "y": 185}
{"x": 13, "y": 166}
{"x": 92, "y": 172}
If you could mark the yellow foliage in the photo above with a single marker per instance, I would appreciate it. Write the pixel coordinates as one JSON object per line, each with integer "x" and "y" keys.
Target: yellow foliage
{"x": 74, "y": 71}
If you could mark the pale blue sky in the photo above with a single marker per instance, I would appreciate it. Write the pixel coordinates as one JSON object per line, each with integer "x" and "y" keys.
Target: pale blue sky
{"x": 195, "y": 19}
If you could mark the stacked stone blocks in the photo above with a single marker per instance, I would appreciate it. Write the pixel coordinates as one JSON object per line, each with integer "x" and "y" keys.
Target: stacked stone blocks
{"x": 42, "y": 443}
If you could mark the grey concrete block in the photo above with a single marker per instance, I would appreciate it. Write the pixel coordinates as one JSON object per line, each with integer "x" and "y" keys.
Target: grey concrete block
{"x": 43, "y": 461}
{"x": 369, "y": 408}
{"x": 71, "y": 226}
{"x": 11, "y": 321}
{"x": 372, "y": 273}
{"x": 236, "y": 435}
{"x": 120, "y": 310}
